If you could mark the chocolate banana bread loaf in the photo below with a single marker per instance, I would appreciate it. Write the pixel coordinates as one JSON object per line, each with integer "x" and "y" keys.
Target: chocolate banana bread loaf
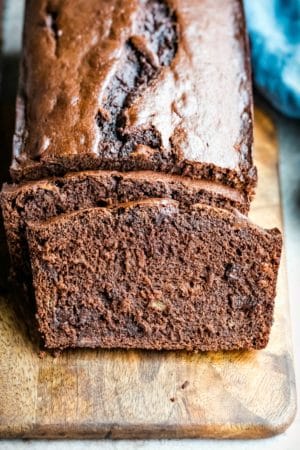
{"x": 160, "y": 85}
{"x": 151, "y": 274}
{"x": 132, "y": 164}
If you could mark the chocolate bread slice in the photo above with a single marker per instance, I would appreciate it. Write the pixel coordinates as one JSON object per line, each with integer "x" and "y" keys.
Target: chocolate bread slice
{"x": 161, "y": 85}
{"x": 41, "y": 200}
{"x": 154, "y": 275}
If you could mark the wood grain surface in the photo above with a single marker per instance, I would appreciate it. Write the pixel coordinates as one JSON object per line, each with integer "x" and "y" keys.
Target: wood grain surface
{"x": 139, "y": 394}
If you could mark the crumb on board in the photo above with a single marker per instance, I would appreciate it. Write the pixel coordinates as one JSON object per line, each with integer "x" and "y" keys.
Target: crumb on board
{"x": 41, "y": 354}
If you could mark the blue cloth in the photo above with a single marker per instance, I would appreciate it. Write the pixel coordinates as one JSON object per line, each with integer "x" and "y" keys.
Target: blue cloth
{"x": 274, "y": 28}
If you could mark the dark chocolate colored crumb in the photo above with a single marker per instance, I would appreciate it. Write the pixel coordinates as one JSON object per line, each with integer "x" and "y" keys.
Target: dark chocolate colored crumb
{"x": 50, "y": 198}
{"x": 135, "y": 276}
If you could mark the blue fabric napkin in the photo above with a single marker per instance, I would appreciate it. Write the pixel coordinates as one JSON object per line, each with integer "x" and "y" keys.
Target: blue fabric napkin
{"x": 274, "y": 28}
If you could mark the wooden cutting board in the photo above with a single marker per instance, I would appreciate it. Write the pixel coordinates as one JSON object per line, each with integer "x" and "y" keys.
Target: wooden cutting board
{"x": 139, "y": 394}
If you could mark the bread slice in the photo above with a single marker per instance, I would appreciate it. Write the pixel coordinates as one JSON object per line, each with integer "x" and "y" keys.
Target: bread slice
{"x": 41, "y": 200}
{"x": 154, "y": 275}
